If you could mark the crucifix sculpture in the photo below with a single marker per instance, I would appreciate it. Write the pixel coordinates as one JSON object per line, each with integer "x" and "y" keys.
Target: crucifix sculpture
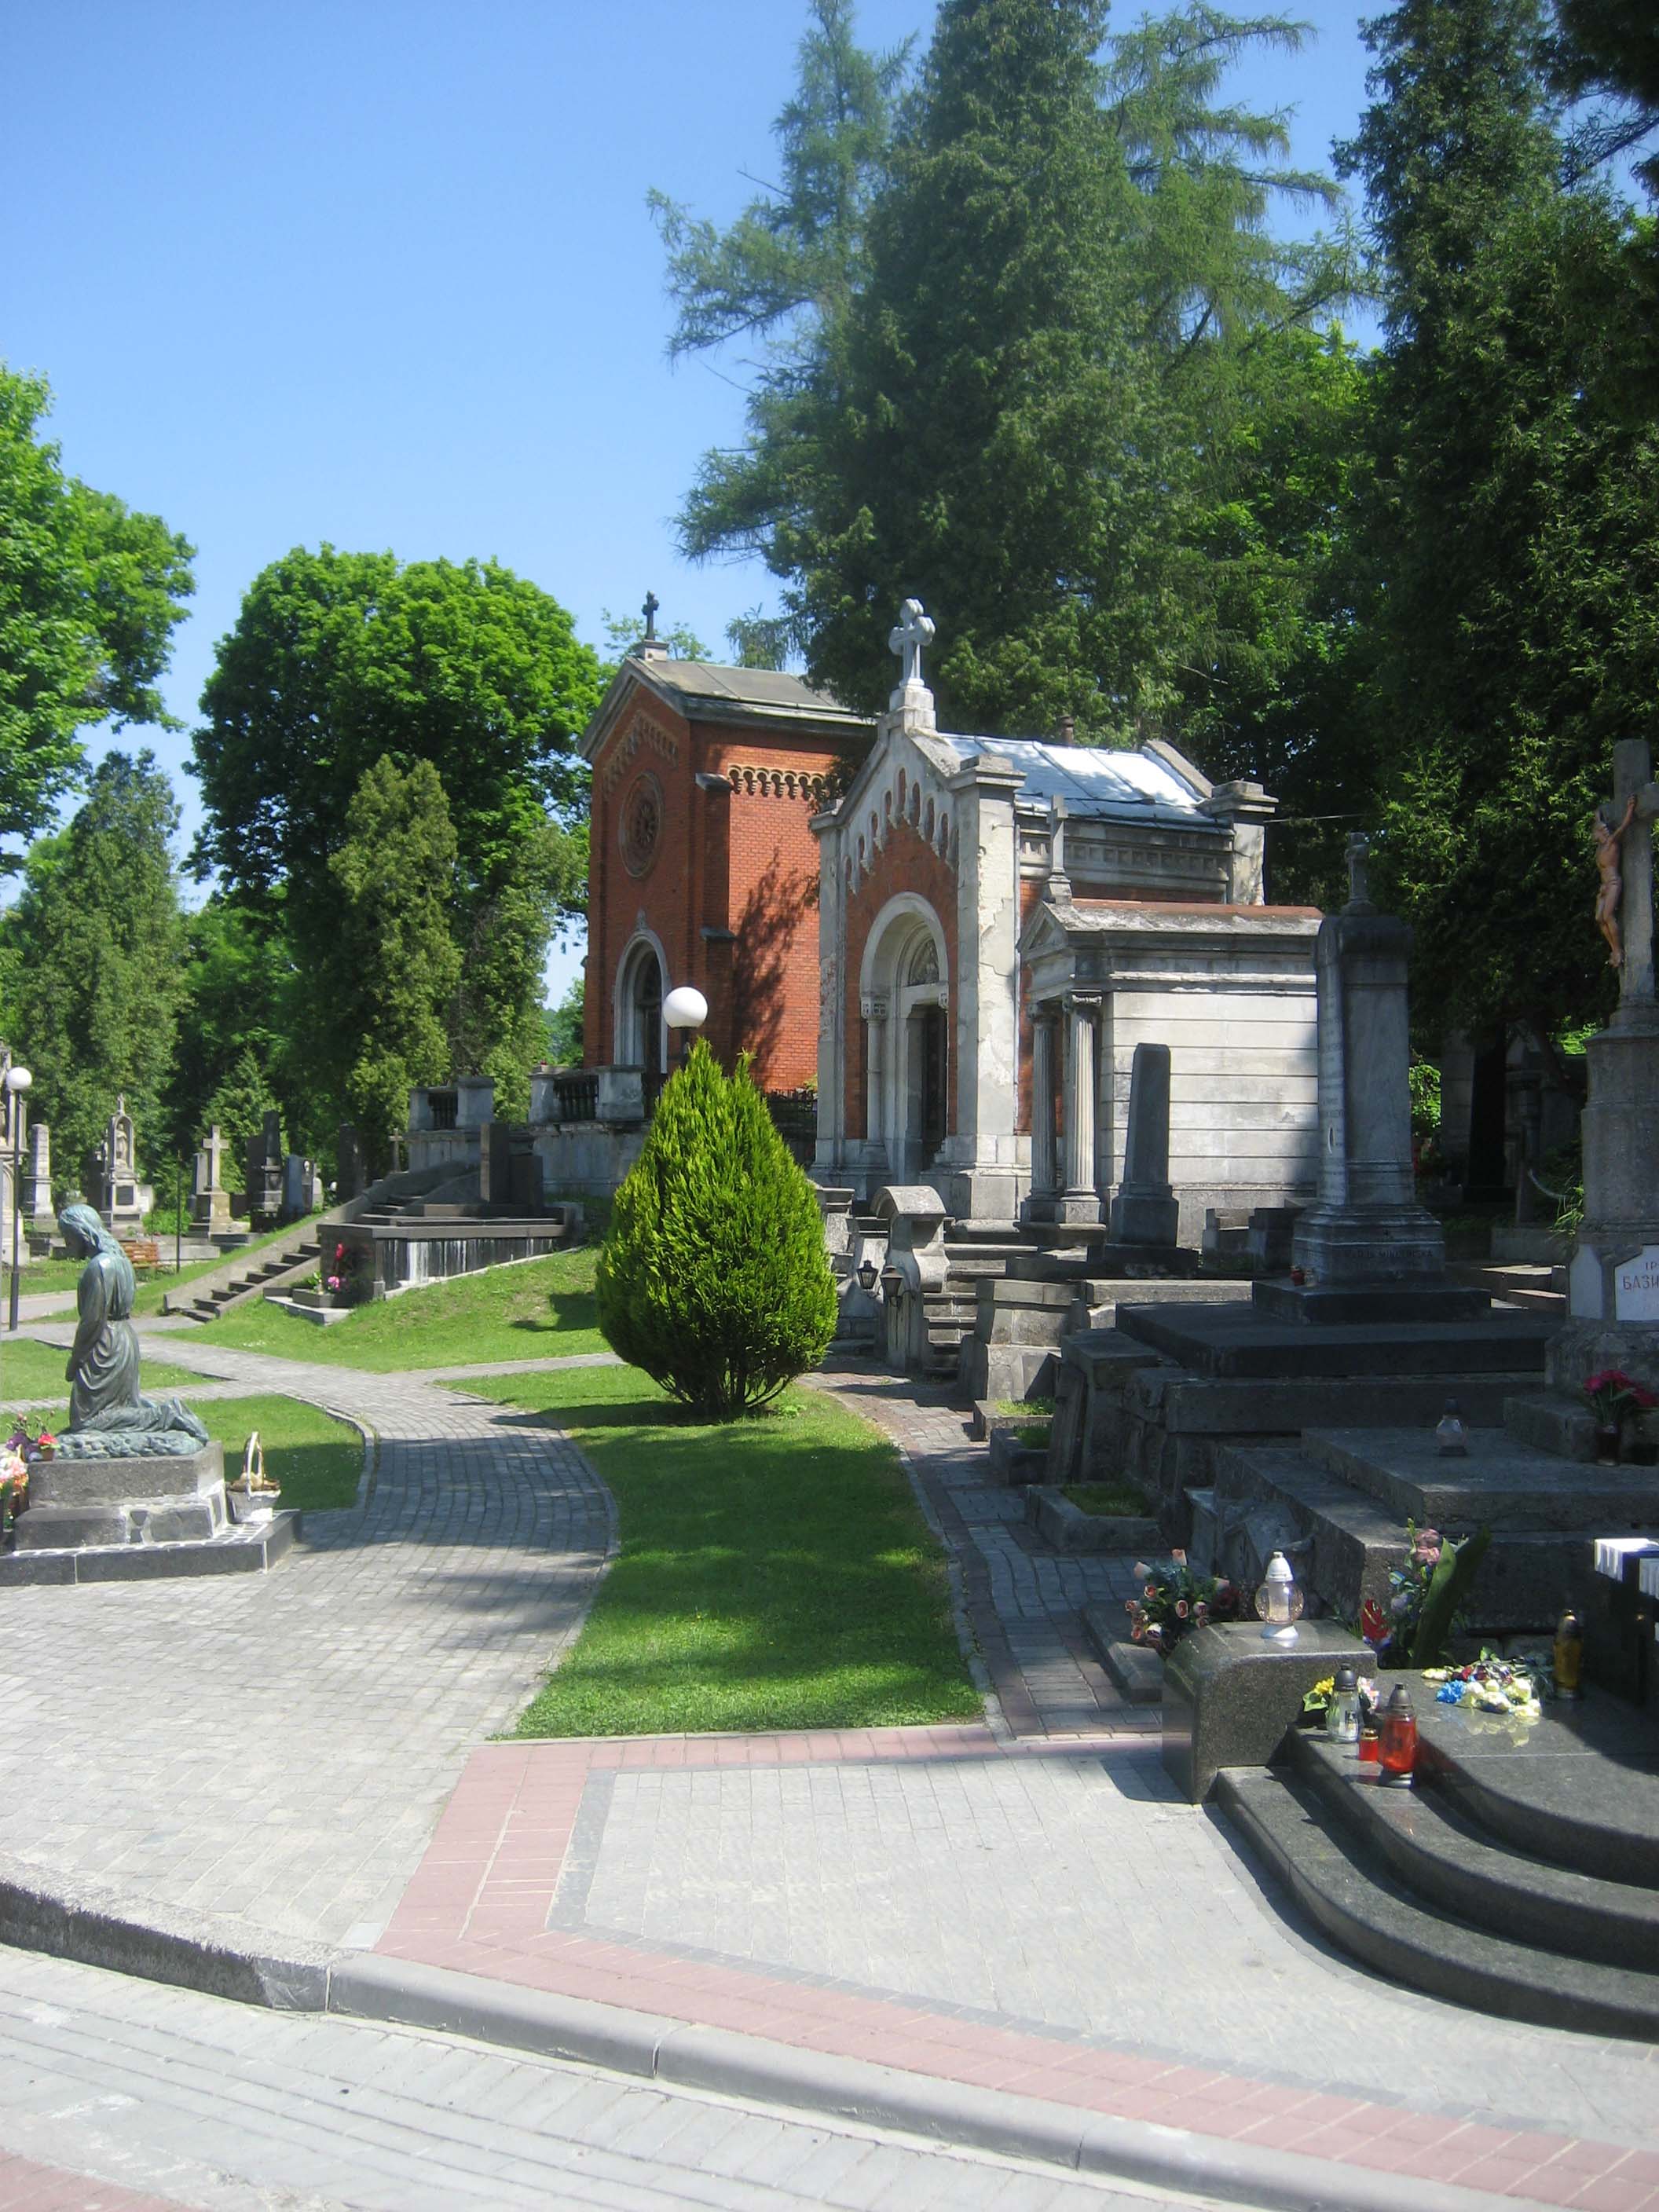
{"x": 1624, "y": 896}
{"x": 914, "y": 631}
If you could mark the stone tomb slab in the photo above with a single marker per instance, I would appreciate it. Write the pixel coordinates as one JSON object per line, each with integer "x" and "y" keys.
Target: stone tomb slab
{"x": 1503, "y": 1483}
{"x": 1237, "y": 1340}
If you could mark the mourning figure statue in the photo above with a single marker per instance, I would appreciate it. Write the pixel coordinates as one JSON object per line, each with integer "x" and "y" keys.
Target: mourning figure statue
{"x": 108, "y": 1420}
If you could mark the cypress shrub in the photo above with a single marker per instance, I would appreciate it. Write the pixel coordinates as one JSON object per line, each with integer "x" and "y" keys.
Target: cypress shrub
{"x": 713, "y": 1277}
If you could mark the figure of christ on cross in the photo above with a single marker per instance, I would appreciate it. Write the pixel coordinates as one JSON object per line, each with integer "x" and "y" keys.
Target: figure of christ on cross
{"x": 1624, "y": 896}
{"x": 1607, "y": 840}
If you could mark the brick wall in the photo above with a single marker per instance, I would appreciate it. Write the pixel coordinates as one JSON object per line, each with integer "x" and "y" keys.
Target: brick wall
{"x": 739, "y": 862}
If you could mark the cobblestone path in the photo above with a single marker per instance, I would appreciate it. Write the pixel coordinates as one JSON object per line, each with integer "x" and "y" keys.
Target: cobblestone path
{"x": 277, "y": 1748}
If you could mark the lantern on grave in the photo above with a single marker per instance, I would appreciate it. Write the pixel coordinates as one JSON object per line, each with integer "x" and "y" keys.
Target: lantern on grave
{"x": 1398, "y": 1750}
{"x": 1278, "y": 1601}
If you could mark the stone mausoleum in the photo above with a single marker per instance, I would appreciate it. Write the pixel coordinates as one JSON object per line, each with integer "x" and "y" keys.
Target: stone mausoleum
{"x": 1002, "y": 920}
{"x": 962, "y": 950}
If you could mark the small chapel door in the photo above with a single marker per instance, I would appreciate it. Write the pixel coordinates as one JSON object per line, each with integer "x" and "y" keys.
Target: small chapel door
{"x": 647, "y": 1024}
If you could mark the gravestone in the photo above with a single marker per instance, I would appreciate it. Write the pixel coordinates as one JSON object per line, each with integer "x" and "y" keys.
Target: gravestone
{"x": 124, "y": 1200}
{"x": 1613, "y": 1281}
{"x": 264, "y": 1169}
{"x": 1145, "y": 1210}
{"x": 495, "y": 1165}
{"x": 36, "y": 1199}
{"x": 1368, "y": 1250}
{"x": 209, "y": 1202}
{"x": 353, "y": 1167}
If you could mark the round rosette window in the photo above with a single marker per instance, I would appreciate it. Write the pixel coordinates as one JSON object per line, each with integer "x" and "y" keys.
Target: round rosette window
{"x": 641, "y": 824}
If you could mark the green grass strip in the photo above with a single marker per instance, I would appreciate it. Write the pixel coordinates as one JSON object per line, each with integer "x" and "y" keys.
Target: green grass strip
{"x": 774, "y": 1573}
{"x": 539, "y": 1309}
{"x": 29, "y": 1370}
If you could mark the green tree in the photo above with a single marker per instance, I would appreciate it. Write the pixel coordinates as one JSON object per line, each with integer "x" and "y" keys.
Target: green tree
{"x": 1515, "y": 526}
{"x": 238, "y": 1107}
{"x": 338, "y": 660}
{"x": 90, "y": 594}
{"x": 1004, "y": 404}
{"x": 235, "y": 1014}
{"x": 564, "y": 1026}
{"x": 394, "y": 965}
{"x": 713, "y": 1277}
{"x": 95, "y": 982}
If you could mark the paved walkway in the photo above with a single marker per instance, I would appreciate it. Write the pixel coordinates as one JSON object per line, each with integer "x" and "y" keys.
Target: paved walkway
{"x": 1030, "y": 1909}
{"x": 277, "y": 1748}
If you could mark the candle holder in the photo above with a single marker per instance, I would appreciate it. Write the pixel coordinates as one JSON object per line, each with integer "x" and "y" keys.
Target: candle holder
{"x": 1278, "y": 1601}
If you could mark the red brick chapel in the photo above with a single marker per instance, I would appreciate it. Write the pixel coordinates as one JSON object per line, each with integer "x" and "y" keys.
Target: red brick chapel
{"x": 703, "y": 867}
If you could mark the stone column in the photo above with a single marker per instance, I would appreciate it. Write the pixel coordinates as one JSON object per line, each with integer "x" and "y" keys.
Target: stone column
{"x": 1080, "y": 1200}
{"x": 875, "y": 1061}
{"x": 1044, "y": 1021}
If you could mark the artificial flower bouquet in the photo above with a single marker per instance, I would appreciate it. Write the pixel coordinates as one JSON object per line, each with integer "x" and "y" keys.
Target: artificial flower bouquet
{"x": 1173, "y": 1599}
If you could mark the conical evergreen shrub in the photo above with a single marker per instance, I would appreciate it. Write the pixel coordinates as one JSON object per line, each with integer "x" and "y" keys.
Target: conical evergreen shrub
{"x": 714, "y": 1277}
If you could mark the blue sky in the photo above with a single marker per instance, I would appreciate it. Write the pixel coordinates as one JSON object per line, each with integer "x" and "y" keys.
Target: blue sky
{"x": 381, "y": 272}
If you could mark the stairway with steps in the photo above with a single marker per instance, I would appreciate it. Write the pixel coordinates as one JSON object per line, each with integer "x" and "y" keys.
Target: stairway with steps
{"x": 975, "y": 1252}
{"x": 1519, "y": 1875}
{"x": 298, "y": 1255}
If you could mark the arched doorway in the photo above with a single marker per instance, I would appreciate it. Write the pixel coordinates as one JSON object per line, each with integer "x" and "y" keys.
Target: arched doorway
{"x": 638, "y": 1029}
{"x": 905, "y": 998}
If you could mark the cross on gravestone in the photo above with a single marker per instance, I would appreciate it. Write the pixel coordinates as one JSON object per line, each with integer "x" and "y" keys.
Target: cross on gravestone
{"x": 1624, "y": 902}
{"x": 650, "y": 610}
{"x": 914, "y": 629}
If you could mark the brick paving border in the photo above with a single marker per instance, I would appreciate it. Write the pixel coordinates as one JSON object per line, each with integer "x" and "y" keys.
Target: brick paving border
{"x": 481, "y": 1903}
{"x": 26, "y": 2185}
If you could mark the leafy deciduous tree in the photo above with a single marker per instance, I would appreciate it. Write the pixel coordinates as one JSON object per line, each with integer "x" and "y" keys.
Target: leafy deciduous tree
{"x": 90, "y": 594}
{"x": 95, "y": 983}
{"x": 394, "y": 964}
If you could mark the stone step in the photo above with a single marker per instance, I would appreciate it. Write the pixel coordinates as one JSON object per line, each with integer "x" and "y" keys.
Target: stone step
{"x": 1234, "y": 1341}
{"x": 1454, "y": 1867}
{"x": 1369, "y": 1913}
{"x": 1136, "y": 1671}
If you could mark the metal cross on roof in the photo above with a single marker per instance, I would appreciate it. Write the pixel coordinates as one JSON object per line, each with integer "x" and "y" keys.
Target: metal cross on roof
{"x": 914, "y": 631}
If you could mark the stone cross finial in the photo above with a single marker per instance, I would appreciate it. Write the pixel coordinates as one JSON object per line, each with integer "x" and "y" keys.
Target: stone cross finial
{"x": 650, "y": 610}
{"x": 1359, "y": 851}
{"x": 915, "y": 630}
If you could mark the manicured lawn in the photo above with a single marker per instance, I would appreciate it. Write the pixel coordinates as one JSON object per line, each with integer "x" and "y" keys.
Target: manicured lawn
{"x": 774, "y": 1573}
{"x": 536, "y": 1310}
{"x": 317, "y": 1459}
{"x": 29, "y": 1370}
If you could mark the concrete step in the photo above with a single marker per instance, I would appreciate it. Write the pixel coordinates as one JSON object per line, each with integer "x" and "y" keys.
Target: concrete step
{"x": 1355, "y": 1900}
{"x": 1451, "y": 1864}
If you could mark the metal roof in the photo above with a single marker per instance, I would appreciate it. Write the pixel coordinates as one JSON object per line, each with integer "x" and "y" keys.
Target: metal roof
{"x": 1092, "y": 780}
{"x": 769, "y": 689}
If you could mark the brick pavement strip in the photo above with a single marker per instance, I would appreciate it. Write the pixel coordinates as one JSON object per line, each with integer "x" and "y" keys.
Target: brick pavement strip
{"x": 1036, "y": 1918}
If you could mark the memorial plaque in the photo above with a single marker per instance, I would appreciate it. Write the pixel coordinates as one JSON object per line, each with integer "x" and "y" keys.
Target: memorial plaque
{"x": 1636, "y": 1286}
